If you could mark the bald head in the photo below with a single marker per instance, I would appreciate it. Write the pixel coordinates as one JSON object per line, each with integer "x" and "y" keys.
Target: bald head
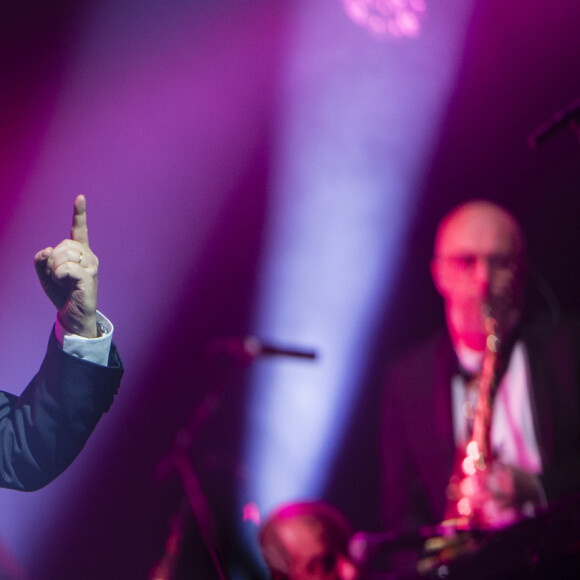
{"x": 477, "y": 223}
{"x": 307, "y": 541}
{"x": 479, "y": 259}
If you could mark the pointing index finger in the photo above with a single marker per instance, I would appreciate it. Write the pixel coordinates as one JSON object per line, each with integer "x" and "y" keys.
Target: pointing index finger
{"x": 79, "y": 231}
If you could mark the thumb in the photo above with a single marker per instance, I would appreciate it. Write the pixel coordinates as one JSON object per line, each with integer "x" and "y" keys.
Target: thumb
{"x": 41, "y": 262}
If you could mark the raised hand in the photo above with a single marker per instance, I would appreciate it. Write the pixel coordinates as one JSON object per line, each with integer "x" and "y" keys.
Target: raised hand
{"x": 68, "y": 274}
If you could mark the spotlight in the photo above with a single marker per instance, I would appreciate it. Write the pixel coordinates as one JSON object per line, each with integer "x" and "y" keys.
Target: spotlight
{"x": 387, "y": 18}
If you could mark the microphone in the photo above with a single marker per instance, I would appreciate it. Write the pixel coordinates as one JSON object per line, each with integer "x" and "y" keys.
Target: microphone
{"x": 250, "y": 347}
{"x": 563, "y": 118}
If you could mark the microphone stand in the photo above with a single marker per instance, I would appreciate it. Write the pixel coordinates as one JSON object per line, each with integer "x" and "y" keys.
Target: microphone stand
{"x": 223, "y": 355}
{"x": 177, "y": 459}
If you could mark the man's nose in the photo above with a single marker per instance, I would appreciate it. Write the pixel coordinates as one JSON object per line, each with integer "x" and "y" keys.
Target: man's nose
{"x": 482, "y": 274}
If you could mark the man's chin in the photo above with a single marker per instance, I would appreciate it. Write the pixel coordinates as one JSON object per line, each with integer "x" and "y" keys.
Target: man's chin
{"x": 474, "y": 340}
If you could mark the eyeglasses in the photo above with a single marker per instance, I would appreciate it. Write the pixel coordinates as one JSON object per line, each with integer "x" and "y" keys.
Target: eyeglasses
{"x": 467, "y": 262}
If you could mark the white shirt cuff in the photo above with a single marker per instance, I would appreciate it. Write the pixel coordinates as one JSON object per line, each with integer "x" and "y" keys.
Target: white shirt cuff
{"x": 95, "y": 350}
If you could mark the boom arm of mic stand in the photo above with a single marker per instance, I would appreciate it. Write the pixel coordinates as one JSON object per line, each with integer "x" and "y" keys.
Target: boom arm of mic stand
{"x": 567, "y": 117}
{"x": 178, "y": 459}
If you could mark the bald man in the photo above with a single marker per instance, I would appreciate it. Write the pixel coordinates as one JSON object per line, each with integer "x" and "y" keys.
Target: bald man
{"x": 479, "y": 268}
{"x": 307, "y": 541}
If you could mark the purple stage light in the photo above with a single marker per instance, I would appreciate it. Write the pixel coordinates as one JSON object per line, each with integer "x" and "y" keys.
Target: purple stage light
{"x": 387, "y": 18}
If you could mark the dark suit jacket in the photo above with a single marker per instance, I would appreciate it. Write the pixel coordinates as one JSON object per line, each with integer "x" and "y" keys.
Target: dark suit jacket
{"x": 417, "y": 442}
{"x": 44, "y": 429}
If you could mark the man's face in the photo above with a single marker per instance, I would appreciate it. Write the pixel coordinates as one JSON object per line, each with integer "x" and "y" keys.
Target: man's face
{"x": 310, "y": 556}
{"x": 478, "y": 262}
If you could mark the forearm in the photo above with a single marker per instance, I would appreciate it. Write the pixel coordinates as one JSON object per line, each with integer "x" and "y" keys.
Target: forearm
{"x": 44, "y": 429}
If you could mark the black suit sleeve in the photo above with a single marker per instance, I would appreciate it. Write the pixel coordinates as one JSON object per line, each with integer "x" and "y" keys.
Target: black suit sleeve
{"x": 554, "y": 358}
{"x": 44, "y": 429}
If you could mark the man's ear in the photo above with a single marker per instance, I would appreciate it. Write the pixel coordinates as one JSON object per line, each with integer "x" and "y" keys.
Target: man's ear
{"x": 437, "y": 275}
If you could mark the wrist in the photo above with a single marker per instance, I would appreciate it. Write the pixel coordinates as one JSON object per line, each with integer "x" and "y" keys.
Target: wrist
{"x": 87, "y": 327}
{"x": 102, "y": 327}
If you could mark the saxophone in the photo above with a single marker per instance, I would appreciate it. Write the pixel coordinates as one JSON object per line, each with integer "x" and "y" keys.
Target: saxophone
{"x": 478, "y": 452}
{"x": 463, "y": 515}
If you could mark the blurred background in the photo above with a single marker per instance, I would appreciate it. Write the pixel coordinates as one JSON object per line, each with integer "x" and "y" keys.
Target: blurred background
{"x": 265, "y": 168}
